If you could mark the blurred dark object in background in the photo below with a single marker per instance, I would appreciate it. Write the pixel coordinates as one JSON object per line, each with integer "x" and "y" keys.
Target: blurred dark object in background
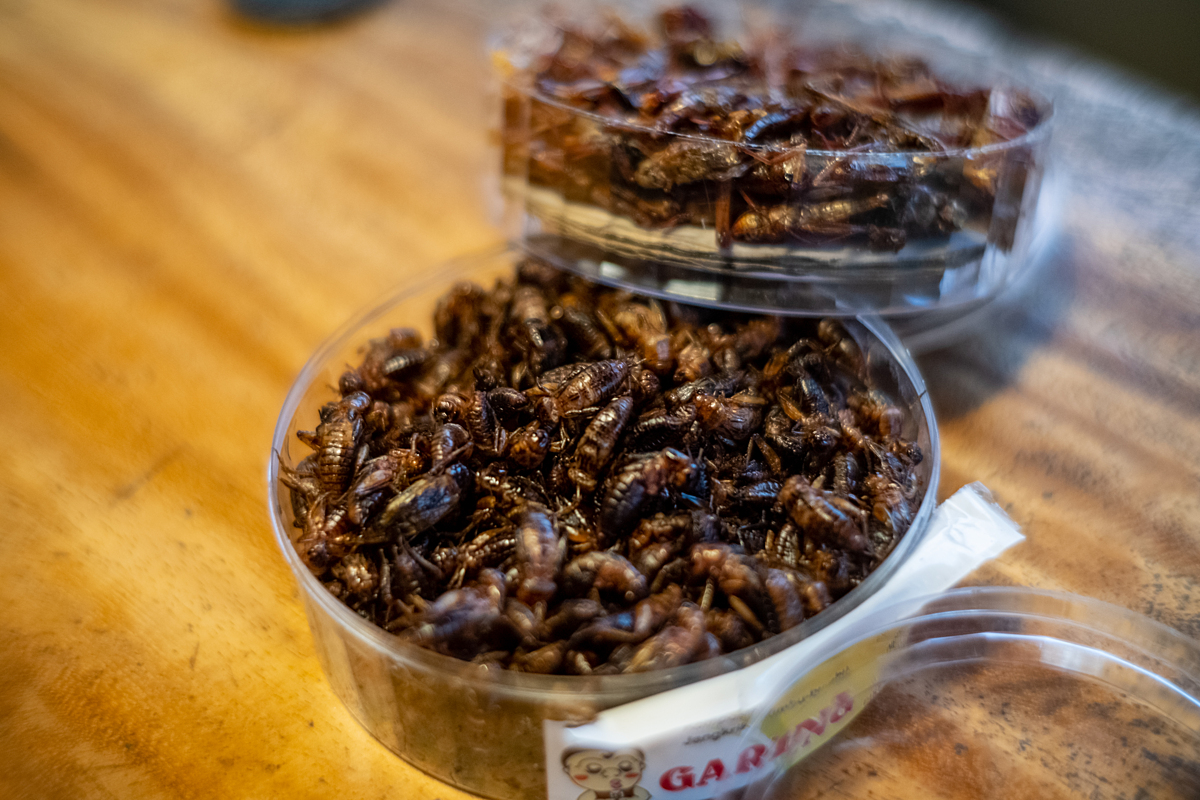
{"x": 1158, "y": 38}
{"x": 293, "y": 12}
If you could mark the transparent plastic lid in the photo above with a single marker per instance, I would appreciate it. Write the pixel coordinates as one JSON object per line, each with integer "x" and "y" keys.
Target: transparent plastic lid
{"x": 988, "y": 692}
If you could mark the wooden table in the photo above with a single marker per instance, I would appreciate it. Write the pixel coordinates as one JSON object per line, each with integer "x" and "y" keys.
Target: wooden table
{"x": 190, "y": 203}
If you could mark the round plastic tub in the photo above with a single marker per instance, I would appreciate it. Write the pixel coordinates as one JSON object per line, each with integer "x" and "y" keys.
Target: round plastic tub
{"x": 774, "y": 226}
{"x": 993, "y": 692}
{"x": 482, "y": 730}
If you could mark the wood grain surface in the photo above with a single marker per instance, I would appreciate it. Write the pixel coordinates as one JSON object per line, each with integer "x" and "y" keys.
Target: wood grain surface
{"x": 189, "y": 203}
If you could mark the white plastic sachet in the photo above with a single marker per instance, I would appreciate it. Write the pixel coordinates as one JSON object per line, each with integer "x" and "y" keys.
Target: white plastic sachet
{"x": 685, "y": 743}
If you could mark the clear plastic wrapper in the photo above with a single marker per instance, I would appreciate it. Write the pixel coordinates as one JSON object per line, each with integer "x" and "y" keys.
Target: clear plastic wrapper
{"x": 482, "y": 730}
{"x": 798, "y": 174}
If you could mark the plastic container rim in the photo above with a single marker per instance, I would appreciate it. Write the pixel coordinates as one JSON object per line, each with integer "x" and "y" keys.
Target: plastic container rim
{"x": 595, "y": 685}
{"x": 1038, "y": 131}
{"x": 999, "y": 79}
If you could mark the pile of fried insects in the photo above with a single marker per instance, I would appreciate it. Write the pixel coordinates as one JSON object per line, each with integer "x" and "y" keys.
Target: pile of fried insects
{"x": 682, "y": 127}
{"x": 573, "y": 479}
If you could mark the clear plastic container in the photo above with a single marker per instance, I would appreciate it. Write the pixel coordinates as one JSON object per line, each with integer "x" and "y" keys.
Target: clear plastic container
{"x": 774, "y": 225}
{"x": 991, "y": 692}
{"x": 482, "y": 730}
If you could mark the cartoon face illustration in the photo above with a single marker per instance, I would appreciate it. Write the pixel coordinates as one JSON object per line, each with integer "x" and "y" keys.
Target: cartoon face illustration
{"x": 608, "y": 774}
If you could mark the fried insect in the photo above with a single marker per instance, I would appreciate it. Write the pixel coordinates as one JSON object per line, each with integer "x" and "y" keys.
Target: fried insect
{"x": 304, "y": 487}
{"x": 734, "y": 419}
{"x": 539, "y": 553}
{"x": 678, "y": 643}
{"x": 336, "y": 441}
{"x": 479, "y": 418}
{"x": 591, "y": 385}
{"x": 599, "y": 441}
{"x": 373, "y": 480}
{"x": 408, "y": 576}
{"x": 540, "y": 342}
{"x": 326, "y": 537}
{"x": 647, "y": 617}
{"x": 529, "y": 446}
{"x": 423, "y": 504}
{"x": 827, "y": 219}
{"x": 581, "y": 328}
{"x": 641, "y": 481}
{"x": 662, "y": 426}
{"x": 826, "y": 515}
{"x": 462, "y": 622}
{"x": 689, "y": 160}
{"x": 604, "y": 572}
{"x": 448, "y": 442}
{"x": 544, "y": 660}
{"x": 874, "y": 408}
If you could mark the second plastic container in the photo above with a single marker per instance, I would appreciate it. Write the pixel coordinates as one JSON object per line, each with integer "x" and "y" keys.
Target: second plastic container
{"x": 780, "y": 227}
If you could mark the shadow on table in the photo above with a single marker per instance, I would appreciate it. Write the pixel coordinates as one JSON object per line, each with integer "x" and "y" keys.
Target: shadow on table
{"x": 987, "y": 356}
